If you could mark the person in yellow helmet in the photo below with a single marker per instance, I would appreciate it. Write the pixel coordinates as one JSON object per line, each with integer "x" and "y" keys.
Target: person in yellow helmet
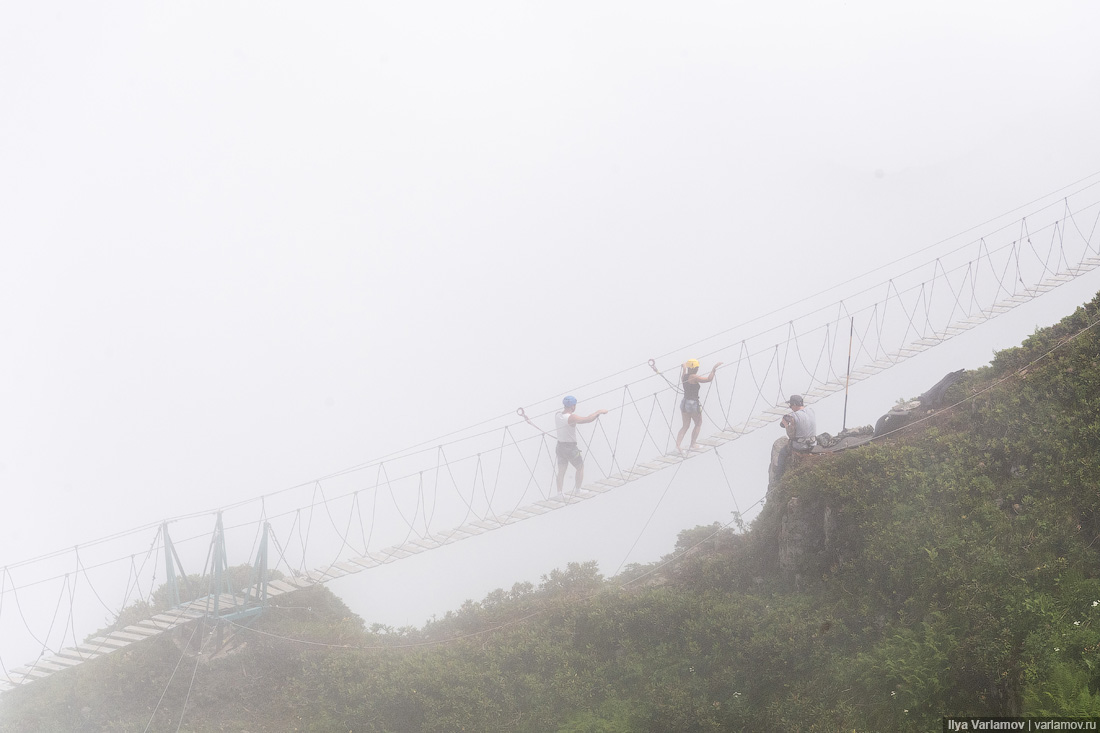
{"x": 691, "y": 409}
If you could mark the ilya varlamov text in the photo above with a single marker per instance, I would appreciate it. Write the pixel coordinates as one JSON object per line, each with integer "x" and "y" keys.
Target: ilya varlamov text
{"x": 1024, "y": 724}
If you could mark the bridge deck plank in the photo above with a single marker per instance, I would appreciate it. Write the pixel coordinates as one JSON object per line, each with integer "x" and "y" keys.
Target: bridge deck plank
{"x": 106, "y": 641}
{"x": 143, "y": 631}
{"x": 64, "y": 661}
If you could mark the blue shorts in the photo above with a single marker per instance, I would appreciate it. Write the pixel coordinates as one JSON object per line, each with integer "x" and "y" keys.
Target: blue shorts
{"x": 692, "y": 407}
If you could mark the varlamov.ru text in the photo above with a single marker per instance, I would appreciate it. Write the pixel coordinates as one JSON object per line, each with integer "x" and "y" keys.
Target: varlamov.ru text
{"x": 1023, "y": 724}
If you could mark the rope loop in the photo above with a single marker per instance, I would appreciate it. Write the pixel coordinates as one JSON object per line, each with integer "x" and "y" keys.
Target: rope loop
{"x": 521, "y": 413}
{"x": 653, "y": 366}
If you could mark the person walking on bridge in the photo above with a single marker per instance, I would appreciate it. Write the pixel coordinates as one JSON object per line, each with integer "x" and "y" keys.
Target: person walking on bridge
{"x": 567, "y": 451}
{"x": 691, "y": 409}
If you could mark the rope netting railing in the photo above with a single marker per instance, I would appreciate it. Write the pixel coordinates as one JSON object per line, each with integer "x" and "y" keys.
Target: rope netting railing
{"x": 503, "y": 470}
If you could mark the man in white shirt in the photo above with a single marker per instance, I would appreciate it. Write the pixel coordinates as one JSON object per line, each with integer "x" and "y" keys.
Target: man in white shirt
{"x": 801, "y": 426}
{"x": 567, "y": 451}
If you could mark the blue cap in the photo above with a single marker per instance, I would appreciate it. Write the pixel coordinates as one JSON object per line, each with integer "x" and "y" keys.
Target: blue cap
{"x": 570, "y": 401}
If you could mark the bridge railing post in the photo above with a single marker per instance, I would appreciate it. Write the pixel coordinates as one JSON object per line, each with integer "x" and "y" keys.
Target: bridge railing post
{"x": 171, "y": 564}
{"x": 259, "y": 570}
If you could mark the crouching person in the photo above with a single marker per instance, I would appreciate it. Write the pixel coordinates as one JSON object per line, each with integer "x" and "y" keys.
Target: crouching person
{"x": 801, "y": 426}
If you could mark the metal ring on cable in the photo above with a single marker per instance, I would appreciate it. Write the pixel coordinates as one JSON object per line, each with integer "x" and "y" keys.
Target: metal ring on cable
{"x": 653, "y": 365}
{"x": 521, "y": 413}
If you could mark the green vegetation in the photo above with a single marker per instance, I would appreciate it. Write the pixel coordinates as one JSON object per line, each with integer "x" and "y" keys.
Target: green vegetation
{"x": 953, "y": 568}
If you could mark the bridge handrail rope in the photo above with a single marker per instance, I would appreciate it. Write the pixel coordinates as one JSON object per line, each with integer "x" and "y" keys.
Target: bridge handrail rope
{"x": 656, "y": 566}
{"x": 896, "y": 294}
{"x": 767, "y": 388}
{"x": 499, "y": 626}
{"x": 861, "y": 292}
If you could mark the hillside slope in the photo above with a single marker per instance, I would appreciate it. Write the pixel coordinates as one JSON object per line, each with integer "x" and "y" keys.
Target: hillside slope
{"x": 950, "y": 568}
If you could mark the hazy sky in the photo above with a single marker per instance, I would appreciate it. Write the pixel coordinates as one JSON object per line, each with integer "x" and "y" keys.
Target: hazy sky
{"x": 247, "y": 245}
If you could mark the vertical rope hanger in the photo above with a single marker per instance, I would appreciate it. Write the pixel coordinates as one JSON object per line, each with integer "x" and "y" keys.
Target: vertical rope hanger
{"x": 588, "y": 453}
{"x": 909, "y": 316}
{"x": 733, "y": 389}
{"x": 1062, "y": 234}
{"x": 435, "y": 482}
{"x": 756, "y": 384}
{"x": 368, "y": 536}
{"x": 416, "y": 509}
{"x": 712, "y": 387}
{"x": 834, "y": 331}
{"x": 615, "y": 465}
{"x": 778, "y": 376}
{"x": 861, "y": 338}
{"x": 646, "y": 432}
{"x": 721, "y": 408}
{"x": 880, "y": 352}
{"x": 1025, "y": 236}
{"x": 954, "y": 294}
{"x": 885, "y": 306}
{"x": 282, "y": 558}
{"x": 1001, "y": 278}
{"x": 259, "y": 528}
{"x": 993, "y": 271}
{"x": 139, "y": 571}
{"x": 70, "y": 590}
{"x": 972, "y": 269}
{"x": 928, "y": 305}
{"x": 424, "y": 513}
{"x": 393, "y": 498}
{"x": 1061, "y": 262}
{"x": 1019, "y": 273}
{"x": 1092, "y": 232}
{"x": 309, "y": 522}
{"x": 81, "y": 569}
{"x": 811, "y": 374}
{"x": 669, "y": 420}
{"x": 341, "y": 534}
{"x": 70, "y": 630}
{"x": 676, "y": 391}
{"x": 53, "y": 618}
{"x": 532, "y": 477}
{"x": 814, "y": 379}
{"x": 356, "y": 512}
{"x": 480, "y": 471}
{"x": 469, "y": 504}
{"x": 781, "y": 361}
{"x": 500, "y": 462}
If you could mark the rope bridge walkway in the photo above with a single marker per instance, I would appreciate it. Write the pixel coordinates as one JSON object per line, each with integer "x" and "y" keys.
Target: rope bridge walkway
{"x": 502, "y": 471}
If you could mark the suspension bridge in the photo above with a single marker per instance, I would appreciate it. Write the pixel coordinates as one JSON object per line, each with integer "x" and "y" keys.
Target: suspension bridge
{"x": 501, "y": 471}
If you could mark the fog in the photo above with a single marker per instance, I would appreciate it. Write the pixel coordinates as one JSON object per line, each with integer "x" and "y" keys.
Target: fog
{"x": 250, "y": 247}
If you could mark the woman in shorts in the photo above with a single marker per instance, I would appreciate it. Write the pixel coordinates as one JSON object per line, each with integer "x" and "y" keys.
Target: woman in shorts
{"x": 691, "y": 409}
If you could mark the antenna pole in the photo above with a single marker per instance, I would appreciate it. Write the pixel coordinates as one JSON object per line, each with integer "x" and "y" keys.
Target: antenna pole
{"x": 848, "y": 379}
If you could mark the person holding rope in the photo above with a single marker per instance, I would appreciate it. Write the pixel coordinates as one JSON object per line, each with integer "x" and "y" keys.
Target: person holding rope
{"x": 691, "y": 409}
{"x": 567, "y": 451}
